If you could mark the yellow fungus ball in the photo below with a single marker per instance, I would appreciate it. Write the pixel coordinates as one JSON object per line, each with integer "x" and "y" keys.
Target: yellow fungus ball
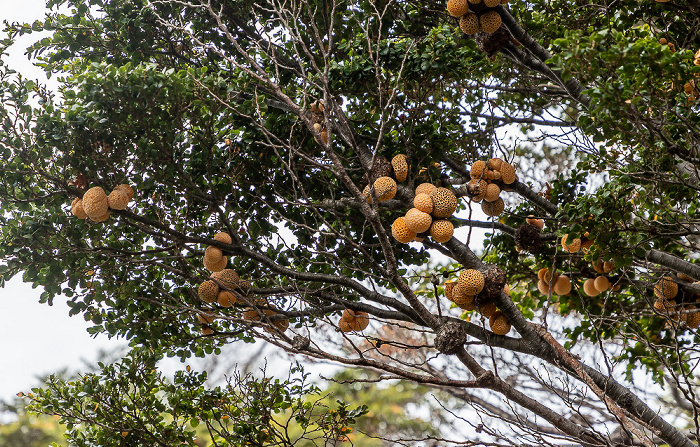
{"x": 401, "y": 232}
{"x": 417, "y": 221}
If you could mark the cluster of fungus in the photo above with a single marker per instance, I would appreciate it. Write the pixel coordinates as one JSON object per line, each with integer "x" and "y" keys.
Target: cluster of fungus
{"x": 261, "y": 309}
{"x": 224, "y": 287}
{"x": 675, "y": 304}
{"x": 553, "y": 281}
{"x": 353, "y": 320}
{"x": 432, "y": 206}
{"x": 384, "y": 176}
{"x": 475, "y": 15}
{"x": 318, "y": 120}
{"x": 214, "y": 258}
{"x": 95, "y": 203}
{"x": 574, "y": 245}
{"x": 671, "y": 46}
{"x": 227, "y": 289}
{"x": 473, "y": 291}
{"x": 601, "y": 283}
{"x": 488, "y": 178}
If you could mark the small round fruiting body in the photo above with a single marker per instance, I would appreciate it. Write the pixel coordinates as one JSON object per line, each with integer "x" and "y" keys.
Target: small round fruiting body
{"x": 255, "y": 313}
{"x": 417, "y": 221}
{"x": 543, "y": 287}
{"x": 477, "y": 169}
{"x": 95, "y": 202}
{"x": 448, "y": 287}
{"x": 589, "y": 287}
{"x": 213, "y": 254}
{"x": 76, "y": 208}
{"x": 444, "y": 202}
{"x": 487, "y": 309}
{"x": 664, "y": 305}
{"x": 208, "y": 291}
{"x": 495, "y": 162}
{"x": 572, "y": 247}
{"x": 601, "y": 283}
{"x": 457, "y": 8}
{"x": 128, "y": 190}
{"x": 458, "y": 293}
{"x": 355, "y": 320}
{"x": 118, "y": 199}
{"x": 608, "y": 266}
{"x": 281, "y": 324}
{"x": 547, "y": 275}
{"x": 492, "y": 192}
{"x": 471, "y": 281}
{"x": 425, "y": 188}
{"x": 666, "y": 288}
{"x": 384, "y": 188}
{"x": 226, "y": 298}
{"x": 469, "y": 23}
{"x": 441, "y": 231}
{"x": 400, "y": 164}
{"x": 506, "y": 169}
{"x": 401, "y": 232}
{"x": 228, "y": 278}
{"x": 476, "y": 189}
{"x": 344, "y": 326}
{"x": 216, "y": 266}
{"x": 223, "y": 237}
{"x": 493, "y": 209}
{"x": 693, "y": 317}
{"x": 684, "y": 277}
{"x": 361, "y": 321}
{"x": 469, "y": 305}
{"x": 562, "y": 286}
{"x": 423, "y": 202}
{"x": 499, "y": 323}
{"x": 348, "y": 315}
{"x": 461, "y": 296}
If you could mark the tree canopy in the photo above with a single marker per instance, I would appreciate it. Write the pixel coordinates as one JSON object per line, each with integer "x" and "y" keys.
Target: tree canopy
{"x": 216, "y": 172}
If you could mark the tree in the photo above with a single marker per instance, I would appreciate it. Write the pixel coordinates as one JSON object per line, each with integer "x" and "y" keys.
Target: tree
{"x": 262, "y": 132}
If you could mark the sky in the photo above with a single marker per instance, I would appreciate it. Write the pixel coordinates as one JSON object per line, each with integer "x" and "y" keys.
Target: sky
{"x": 37, "y": 339}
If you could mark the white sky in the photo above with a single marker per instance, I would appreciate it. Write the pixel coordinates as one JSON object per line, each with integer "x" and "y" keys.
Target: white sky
{"x": 37, "y": 339}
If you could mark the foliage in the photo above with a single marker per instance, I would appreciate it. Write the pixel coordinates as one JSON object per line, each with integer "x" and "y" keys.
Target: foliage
{"x": 210, "y": 111}
{"x": 131, "y": 402}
